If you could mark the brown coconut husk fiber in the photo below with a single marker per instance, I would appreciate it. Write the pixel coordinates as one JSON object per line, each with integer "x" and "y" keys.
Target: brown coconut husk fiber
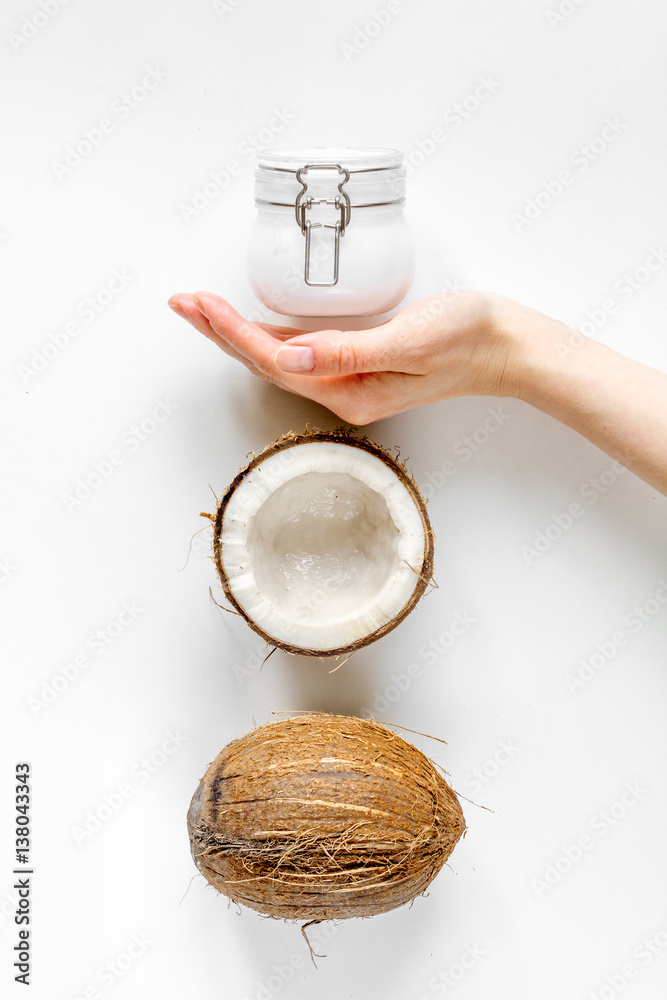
{"x": 322, "y": 817}
{"x": 423, "y": 573}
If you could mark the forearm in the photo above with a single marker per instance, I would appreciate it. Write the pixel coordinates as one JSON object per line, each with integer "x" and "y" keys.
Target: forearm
{"x": 618, "y": 404}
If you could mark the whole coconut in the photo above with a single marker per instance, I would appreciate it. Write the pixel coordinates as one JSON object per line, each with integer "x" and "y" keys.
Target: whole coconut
{"x": 322, "y": 817}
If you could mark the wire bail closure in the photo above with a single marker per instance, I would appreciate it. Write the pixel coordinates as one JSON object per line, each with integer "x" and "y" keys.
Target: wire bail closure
{"x": 341, "y": 203}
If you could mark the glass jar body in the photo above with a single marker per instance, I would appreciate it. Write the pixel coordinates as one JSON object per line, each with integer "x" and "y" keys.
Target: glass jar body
{"x": 305, "y": 274}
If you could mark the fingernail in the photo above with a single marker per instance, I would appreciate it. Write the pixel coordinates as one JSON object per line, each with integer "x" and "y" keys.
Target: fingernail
{"x": 176, "y": 307}
{"x": 295, "y": 359}
{"x": 200, "y": 305}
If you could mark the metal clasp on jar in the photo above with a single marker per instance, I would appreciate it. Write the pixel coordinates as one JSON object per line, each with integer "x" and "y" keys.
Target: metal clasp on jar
{"x": 340, "y": 202}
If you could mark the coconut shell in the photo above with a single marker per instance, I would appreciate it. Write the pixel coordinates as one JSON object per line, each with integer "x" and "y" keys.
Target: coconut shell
{"x": 322, "y": 817}
{"x": 423, "y": 574}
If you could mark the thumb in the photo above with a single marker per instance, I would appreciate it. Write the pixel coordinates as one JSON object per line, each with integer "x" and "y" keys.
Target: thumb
{"x": 342, "y": 352}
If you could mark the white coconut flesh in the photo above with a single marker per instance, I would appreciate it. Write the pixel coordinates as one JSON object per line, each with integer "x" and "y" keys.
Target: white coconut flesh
{"x": 322, "y": 544}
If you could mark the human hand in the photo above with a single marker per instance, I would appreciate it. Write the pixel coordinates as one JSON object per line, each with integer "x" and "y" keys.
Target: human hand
{"x": 454, "y": 344}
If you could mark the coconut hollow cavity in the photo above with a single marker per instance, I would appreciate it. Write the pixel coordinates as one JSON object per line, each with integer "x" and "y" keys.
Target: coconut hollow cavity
{"x": 322, "y": 543}
{"x": 322, "y": 817}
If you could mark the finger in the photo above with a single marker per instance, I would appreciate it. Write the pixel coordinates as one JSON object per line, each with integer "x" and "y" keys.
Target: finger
{"x": 184, "y": 305}
{"x": 280, "y": 332}
{"x": 248, "y": 339}
{"x": 384, "y": 348}
{"x": 230, "y": 326}
{"x": 358, "y": 399}
{"x": 325, "y": 352}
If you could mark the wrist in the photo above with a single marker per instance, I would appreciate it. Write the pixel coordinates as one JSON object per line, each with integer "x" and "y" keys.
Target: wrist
{"x": 542, "y": 356}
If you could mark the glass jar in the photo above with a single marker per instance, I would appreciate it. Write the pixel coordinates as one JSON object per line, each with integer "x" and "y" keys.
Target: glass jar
{"x": 330, "y": 238}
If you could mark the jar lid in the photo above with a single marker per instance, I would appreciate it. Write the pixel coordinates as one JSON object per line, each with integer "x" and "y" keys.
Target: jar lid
{"x": 375, "y": 176}
{"x": 356, "y": 159}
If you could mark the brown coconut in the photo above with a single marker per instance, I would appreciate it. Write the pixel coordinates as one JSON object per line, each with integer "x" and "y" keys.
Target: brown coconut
{"x": 423, "y": 571}
{"x": 322, "y": 817}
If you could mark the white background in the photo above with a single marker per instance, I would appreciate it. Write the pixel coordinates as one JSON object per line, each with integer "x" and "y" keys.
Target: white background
{"x": 181, "y": 666}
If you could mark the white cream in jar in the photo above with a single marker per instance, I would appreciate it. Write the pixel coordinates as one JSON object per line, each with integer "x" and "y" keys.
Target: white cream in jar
{"x": 330, "y": 238}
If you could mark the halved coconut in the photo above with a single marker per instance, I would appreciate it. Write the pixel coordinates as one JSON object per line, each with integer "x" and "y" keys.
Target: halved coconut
{"x": 323, "y": 543}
